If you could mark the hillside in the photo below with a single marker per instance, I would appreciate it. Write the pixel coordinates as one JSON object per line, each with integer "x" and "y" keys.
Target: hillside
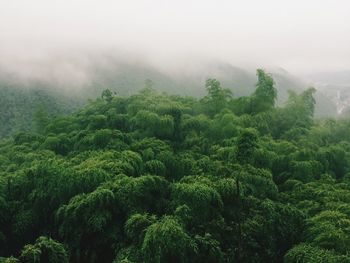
{"x": 154, "y": 177}
{"x": 21, "y": 97}
{"x": 19, "y": 104}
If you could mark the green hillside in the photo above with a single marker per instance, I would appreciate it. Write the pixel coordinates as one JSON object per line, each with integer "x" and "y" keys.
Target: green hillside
{"x": 154, "y": 177}
{"x": 19, "y": 104}
{"x": 19, "y": 100}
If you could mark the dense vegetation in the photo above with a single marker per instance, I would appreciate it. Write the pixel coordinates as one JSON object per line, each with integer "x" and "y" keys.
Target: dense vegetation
{"x": 160, "y": 178}
{"x": 21, "y": 98}
{"x": 19, "y": 106}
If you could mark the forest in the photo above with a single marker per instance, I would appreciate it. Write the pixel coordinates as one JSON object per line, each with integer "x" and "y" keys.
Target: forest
{"x": 153, "y": 177}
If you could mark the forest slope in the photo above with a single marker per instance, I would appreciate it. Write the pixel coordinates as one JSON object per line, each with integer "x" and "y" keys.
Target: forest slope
{"x": 161, "y": 178}
{"x": 20, "y": 99}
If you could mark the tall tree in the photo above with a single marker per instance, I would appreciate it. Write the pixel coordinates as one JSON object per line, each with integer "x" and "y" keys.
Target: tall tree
{"x": 265, "y": 95}
{"x": 217, "y": 97}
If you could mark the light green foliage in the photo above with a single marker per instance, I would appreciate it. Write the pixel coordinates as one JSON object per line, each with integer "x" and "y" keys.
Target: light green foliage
{"x": 44, "y": 250}
{"x": 9, "y": 260}
{"x": 136, "y": 225}
{"x": 155, "y": 167}
{"x": 217, "y": 97}
{"x": 330, "y": 230}
{"x": 305, "y": 253}
{"x": 203, "y": 200}
{"x": 166, "y": 241}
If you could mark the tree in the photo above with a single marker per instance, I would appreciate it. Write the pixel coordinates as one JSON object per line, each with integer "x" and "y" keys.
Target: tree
{"x": 305, "y": 253}
{"x": 136, "y": 225}
{"x": 217, "y": 97}
{"x": 166, "y": 241}
{"x": 330, "y": 230}
{"x": 44, "y": 250}
{"x": 297, "y": 116}
{"x": 86, "y": 225}
{"x": 107, "y": 95}
{"x": 209, "y": 250}
{"x": 265, "y": 95}
{"x": 246, "y": 145}
{"x": 204, "y": 201}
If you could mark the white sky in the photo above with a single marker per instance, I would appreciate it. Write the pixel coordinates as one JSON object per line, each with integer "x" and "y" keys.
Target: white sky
{"x": 299, "y": 35}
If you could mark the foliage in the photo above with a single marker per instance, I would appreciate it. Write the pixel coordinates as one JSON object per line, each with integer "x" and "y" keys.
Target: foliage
{"x": 44, "y": 250}
{"x": 159, "y": 178}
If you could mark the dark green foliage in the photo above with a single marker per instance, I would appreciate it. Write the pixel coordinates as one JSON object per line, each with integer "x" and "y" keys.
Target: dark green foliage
{"x": 160, "y": 178}
{"x": 246, "y": 145}
{"x": 107, "y": 95}
{"x": 265, "y": 94}
{"x": 25, "y": 109}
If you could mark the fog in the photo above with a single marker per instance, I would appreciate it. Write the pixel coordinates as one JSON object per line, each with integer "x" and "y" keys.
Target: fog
{"x": 301, "y": 36}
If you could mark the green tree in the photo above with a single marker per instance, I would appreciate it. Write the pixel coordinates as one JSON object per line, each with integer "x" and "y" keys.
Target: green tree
{"x": 107, "y": 95}
{"x": 305, "y": 253}
{"x": 166, "y": 241}
{"x": 330, "y": 230}
{"x": 265, "y": 95}
{"x": 44, "y": 250}
{"x": 247, "y": 143}
{"x": 217, "y": 97}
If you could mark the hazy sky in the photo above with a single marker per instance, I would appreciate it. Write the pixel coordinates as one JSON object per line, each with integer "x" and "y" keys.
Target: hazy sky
{"x": 299, "y": 35}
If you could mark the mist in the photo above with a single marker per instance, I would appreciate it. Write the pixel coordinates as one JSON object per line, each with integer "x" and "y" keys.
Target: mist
{"x": 302, "y": 37}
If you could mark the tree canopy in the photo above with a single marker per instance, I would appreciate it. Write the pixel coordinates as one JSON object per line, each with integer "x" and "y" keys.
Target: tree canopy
{"x": 154, "y": 177}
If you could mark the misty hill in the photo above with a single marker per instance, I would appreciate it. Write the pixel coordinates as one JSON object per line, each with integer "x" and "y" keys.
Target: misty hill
{"x": 339, "y": 94}
{"x": 70, "y": 83}
{"x": 333, "y": 77}
{"x": 18, "y": 105}
{"x": 325, "y": 107}
{"x": 126, "y": 79}
{"x": 336, "y": 87}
